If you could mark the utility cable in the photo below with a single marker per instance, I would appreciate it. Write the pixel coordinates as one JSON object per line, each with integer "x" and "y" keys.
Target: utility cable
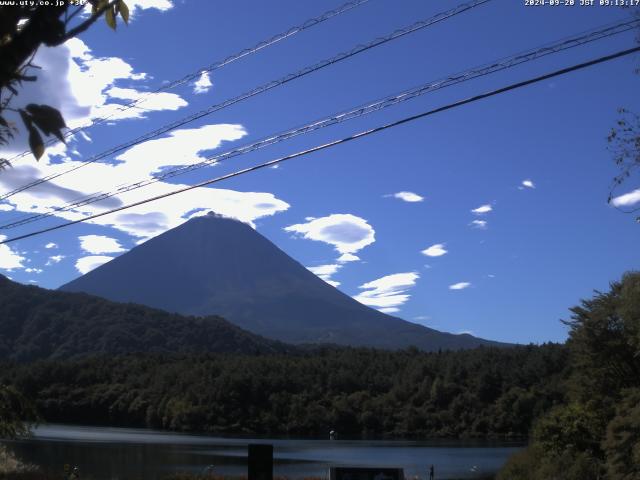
{"x": 210, "y": 68}
{"x": 259, "y": 90}
{"x": 334, "y": 143}
{"x": 502, "y": 64}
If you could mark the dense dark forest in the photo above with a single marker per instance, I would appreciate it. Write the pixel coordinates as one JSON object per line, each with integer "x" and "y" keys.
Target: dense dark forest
{"x": 482, "y": 392}
{"x": 596, "y": 433}
{"x": 38, "y": 324}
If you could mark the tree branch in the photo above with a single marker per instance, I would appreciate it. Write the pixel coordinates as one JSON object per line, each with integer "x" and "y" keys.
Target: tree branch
{"x": 86, "y": 24}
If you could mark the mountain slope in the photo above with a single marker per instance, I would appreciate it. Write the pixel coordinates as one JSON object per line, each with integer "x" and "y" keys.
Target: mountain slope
{"x": 215, "y": 265}
{"x": 43, "y": 324}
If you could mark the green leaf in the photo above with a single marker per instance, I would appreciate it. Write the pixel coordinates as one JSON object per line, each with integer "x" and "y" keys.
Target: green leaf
{"x": 35, "y": 142}
{"x": 35, "y": 139}
{"x": 47, "y": 119}
{"x": 124, "y": 11}
{"x": 26, "y": 118}
{"x": 97, "y": 5}
{"x": 110, "y": 17}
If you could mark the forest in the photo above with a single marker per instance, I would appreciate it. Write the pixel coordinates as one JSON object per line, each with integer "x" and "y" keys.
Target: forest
{"x": 577, "y": 403}
{"x": 596, "y": 432}
{"x": 474, "y": 393}
{"x": 36, "y": 323}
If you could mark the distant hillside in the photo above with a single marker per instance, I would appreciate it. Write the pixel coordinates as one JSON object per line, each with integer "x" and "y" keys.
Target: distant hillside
{"x": 43, "y": 324}
{"x": 214, "y": 265}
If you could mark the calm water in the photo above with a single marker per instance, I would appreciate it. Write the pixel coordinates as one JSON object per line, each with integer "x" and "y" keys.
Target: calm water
{"x": 121, "y": 453}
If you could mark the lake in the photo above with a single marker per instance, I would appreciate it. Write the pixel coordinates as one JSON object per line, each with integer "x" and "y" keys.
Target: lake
{"x": 124, "y": 453}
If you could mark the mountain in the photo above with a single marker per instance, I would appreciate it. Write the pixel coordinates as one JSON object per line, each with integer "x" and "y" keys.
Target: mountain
{"x": 216, "y": 265}
{"x": 45, "y": 324}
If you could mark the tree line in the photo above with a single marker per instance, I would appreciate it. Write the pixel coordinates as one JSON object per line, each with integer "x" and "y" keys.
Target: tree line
{"x": 596, "y": 433}
{"x": 474, "y": 393}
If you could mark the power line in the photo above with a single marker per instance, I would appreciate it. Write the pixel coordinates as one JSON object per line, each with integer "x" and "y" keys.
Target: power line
{"x": 334, "y": 143}
{"x": 312, "y": 22}
{"x": 261, "y": 89}
{"x": 498, "y": 65}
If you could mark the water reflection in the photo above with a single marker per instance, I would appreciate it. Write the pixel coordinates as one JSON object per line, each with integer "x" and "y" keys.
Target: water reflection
{"x": 119, "y": 454}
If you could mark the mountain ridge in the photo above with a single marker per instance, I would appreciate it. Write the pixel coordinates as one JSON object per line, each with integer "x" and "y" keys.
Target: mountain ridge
{"x": 217, "y": 265}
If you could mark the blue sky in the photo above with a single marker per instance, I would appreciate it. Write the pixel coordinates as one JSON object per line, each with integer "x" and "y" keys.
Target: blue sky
{"x": 388, "y": 219}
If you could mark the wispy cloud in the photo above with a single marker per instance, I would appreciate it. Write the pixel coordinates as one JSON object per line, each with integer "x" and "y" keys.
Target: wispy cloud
{"x": 482, "y": 209}
{"x": 348, "y": 257}
{"x": 203, "y": 84}
{"x": 436, "y": 250}
{"x": 54, "y": 259}
{"x": 325, "y": 272}
{"x": 162, "y": 5}
{"x": 627, "y": 200}
{"x": 459, "y": 286}
{"x": 51, "y": 245}
{"x": 388, "y": 292}
{"x": 406, "y": 197}
{"x": 481, "y": 224}
{"x": 527, "y": 184}
{"x": 346, "y": 232}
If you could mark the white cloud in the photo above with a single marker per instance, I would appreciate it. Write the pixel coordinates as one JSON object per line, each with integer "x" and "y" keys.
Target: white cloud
{"x": 389, "y": 310}
{"x": 162, "y": 5}
{"x": 146, "y": 101}
{"x": 6, "y": 208}
{"x": 407, "y": 196}
{"x": 481, "y": 210}
{"x": 136, "y": 5}
{"x": 203, "y": 84}
{"x": 627, "y": 200}
{"x": 33, "y": 270}
{"x": 92, "y": 83}
{"x": 54, "y": 259}
{"x": 459, "y": 286}
{"x": 9, "y": 259}
{"x": 387, "y": 292}
{"x": 325, "y": 272}
{"x": 528, "y": 184}
{"x": 348, "y": 257}
{"x": 86, "y": 264}
{"x": 83, "y": 87}
{"x": 481, "y": 224}
{"x": 96, "y": 244}
{"x": 148, "y": 220}
{"x": 51, "y": 245}
{"x": 436, "y": 250}
{"x": 346, "y": 232}
{"x": 179, "y": 147}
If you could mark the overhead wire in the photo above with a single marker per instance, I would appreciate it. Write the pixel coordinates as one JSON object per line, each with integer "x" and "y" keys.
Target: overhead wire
{"x": 476, "y": 72}
{"x": 211, "y": 67}
{"x": 340, "y": 141}
{"x": 417, "y": 26}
